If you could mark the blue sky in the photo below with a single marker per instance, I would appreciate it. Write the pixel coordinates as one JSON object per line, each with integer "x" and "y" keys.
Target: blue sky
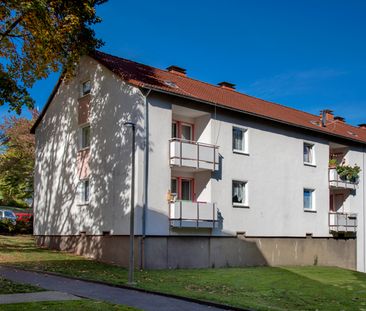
{"x": 309, "y": 55}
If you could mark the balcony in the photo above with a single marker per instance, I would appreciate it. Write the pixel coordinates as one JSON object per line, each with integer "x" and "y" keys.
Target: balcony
{"x": 335, "y": 181}
{"x": 191, "y": 154}
{"x": 342, "y": 222}
{"x": 188, "y": 214}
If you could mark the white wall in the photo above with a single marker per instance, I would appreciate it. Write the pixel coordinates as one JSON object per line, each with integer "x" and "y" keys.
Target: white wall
{"x": 113, "y": 102}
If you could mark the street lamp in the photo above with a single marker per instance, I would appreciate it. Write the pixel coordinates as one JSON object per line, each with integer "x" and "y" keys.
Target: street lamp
{"x": 131, "y": 265}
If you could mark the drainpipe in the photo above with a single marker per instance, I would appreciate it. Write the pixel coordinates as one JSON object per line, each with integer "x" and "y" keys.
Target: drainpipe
{"x": 146, "y": 180}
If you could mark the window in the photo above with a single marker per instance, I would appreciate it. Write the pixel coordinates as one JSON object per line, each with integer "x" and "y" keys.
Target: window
{"x": 85, "y": 137}
{"x": 86, "y": 87}
{"x": 182, "y": 130}
{"x": 239, "y": 195}
{"x": 309, "y": 153}
{"x": 309, "y": 204}
{"x": 182, "y": 188}
{"x": 239, "y": 140}
{"x": 84, "y": 191}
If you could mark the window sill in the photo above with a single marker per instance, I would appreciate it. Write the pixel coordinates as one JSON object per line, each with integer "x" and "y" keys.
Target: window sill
{"x": 309, "y": 211}
{"x": 83, "y": 204}
{"x": 238, "y": 205}
{"x": 309, "y": 164}
{"x": 240, "y": 152}
{"x": 85, "y": 95}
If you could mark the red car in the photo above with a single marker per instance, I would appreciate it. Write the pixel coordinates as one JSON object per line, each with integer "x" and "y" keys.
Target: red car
{"x": 26, "y": 217}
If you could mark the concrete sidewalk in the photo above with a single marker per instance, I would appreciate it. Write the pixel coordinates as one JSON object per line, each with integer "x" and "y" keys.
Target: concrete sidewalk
{"x": 35, "y": 297}
{"x": 144, "y": 301}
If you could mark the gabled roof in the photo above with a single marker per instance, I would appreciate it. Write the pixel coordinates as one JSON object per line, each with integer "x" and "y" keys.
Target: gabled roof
{"x": 164, "y": 81}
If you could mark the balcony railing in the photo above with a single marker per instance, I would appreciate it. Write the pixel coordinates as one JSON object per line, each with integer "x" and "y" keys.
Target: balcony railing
{"x": 335, "y": 181}
{"x": 193, "y": 154}
{"x": 188, "y": 214}
{"x": 342, "y": 222}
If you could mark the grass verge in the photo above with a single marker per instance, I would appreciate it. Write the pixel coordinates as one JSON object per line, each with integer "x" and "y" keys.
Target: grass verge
{"x": 261, "y": 288}
{"x": 8, "y": 287}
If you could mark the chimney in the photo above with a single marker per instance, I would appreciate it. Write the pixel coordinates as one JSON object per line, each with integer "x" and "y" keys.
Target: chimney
{"x": 326, "y": 115}
{"x": 340, "y": 119}
{"x": 362, "y": 125}
{"x": 177, "y": 70}
{"x": 226, "y": 85}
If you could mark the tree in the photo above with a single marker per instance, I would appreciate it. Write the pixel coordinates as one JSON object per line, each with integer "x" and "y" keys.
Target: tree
{"x": 17, "y": 148}
{"x": 38, "y": 37}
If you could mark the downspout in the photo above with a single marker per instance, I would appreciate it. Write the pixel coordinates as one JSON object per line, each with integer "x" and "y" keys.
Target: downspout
{"x": 146, "y": 180}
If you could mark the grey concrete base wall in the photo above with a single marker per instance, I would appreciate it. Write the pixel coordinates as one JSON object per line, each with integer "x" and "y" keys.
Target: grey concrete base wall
{"x": 210, "y": 252}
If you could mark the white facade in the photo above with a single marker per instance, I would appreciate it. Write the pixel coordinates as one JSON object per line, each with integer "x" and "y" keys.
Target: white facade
{"x": 203, "y": 167}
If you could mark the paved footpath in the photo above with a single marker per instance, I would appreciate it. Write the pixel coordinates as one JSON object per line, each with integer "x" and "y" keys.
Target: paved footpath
{"x": 39, "y": 296}
{"x": 144, "y": 301}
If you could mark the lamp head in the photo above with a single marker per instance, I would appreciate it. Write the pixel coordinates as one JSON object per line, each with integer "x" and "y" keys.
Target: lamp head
{"x": 129, "y": 124}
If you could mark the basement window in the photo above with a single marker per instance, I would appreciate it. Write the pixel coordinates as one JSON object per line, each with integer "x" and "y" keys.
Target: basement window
{"x": 86, "y": 88}
{"x": 84, "y": 191}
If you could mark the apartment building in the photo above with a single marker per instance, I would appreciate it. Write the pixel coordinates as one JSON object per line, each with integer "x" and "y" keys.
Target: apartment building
{"x": 222, "y": 178}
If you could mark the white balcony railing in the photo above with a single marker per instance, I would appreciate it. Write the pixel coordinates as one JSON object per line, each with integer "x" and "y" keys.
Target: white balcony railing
{"x": 342, "y": 222}
{"x": 193, "y": 154}
{"x": 188, "y": 214}
{"x": 335, "y": 181}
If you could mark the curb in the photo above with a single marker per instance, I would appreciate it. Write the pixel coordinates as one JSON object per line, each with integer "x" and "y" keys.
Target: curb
{"x": 194, "y": 300}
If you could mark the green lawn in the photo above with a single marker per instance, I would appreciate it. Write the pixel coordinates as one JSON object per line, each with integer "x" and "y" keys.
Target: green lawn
{"x": 261, "y": 288}
{"x": 76, "y": 305}
{"x": 8, "y": 287}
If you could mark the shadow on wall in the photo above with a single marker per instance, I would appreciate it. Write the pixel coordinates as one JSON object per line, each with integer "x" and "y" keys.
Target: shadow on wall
{"x": 57, "y": 209}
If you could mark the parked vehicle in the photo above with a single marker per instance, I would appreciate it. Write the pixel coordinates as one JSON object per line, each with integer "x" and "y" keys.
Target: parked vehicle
{"x": 26, "y": 217}
{"x": 6, "y": 214}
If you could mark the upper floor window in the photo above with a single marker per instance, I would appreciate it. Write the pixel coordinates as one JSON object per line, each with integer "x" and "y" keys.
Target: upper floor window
{"x": 240, "y": 140}
{"x": 309, "y": 157}
{"x": 85, "y": 137}
{"x": 86, "y": 88}
{"x": 182, "y": 130}
{"x": 182, "y": 188}
{"x": 309, "y": 202}
{"x": 84, "y": 191}
{"x": 239, "y": 193}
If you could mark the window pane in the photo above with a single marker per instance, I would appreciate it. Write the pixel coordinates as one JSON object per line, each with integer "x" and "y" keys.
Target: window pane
{"x": 174, "y": 130}
{"x": 238, "y": 192}
{"x": 86, "y": 87}
{"x": 308, "y": 199}
{"x": 186, "y": 132}
{"x": 308, "y": 153}
{"x": 238, "y": 139}
{"x": 85, "y": 137}
{"x": 186, "y": 189}
{"x": 86, "y": 191}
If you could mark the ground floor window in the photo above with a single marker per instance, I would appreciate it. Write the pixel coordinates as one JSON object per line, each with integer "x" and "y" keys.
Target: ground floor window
{"x": 309, "y": 202}
{"x": 182, "y": 188}
{"x": 84, "y": 191}
{"x": 239, "y": 193}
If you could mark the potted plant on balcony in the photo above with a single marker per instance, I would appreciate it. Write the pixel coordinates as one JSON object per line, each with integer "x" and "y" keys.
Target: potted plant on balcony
{"x": 333, "y": 163}
{"x": 349, "y": 173}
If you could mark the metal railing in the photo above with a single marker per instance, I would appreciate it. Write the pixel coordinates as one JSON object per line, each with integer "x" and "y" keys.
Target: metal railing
{"x": 192, "y": 214}
{"x": 336, "y": 181}
{"x": 342, "y": 222}
{"x": 193, "y": 154}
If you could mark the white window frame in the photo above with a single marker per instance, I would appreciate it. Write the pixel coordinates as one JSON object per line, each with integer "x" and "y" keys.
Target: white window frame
{"x": 83, "y": 200}
{"x": 312, "y": 154}
{"x": 245, "y": 139}
{"x": 313, "y": 202}
{"x": 245, "y": 203}
{"x": 81, "y": 136}
{"x": 82, "y": 93}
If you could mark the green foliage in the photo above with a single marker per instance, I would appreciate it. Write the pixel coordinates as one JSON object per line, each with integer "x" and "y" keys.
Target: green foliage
{"x": 332, "y": 162}
{"x": 38, "y": 37}
{"x": 7, "y": 226}
{"x": 17, "y": 148}
{"x": 349, "y": 173}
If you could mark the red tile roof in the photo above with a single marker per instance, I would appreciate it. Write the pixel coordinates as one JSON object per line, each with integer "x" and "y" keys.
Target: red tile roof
{"x": 164, "y": 81}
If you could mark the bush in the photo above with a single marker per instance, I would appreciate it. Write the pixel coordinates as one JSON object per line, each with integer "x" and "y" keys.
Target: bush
{"x": 21, "y": 227}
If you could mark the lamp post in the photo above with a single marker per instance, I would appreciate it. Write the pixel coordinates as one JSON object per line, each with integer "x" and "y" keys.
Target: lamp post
{"x": 131, "y": 265}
